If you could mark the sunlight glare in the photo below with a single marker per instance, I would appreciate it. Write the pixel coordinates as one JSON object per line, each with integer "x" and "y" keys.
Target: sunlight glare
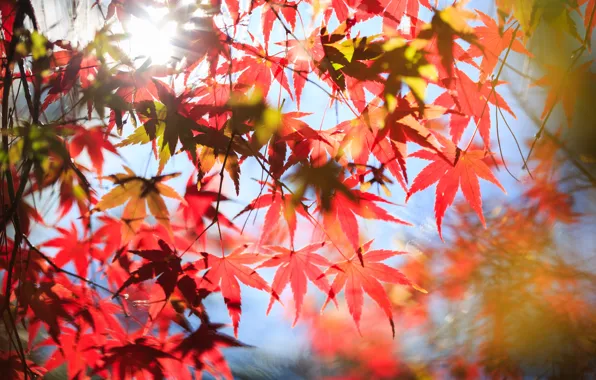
{"x": 152, "y": 38}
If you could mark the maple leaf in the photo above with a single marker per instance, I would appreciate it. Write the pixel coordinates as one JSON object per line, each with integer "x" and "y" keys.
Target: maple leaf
{"x": 71, "y": 248}
{"x": 199, "y": 205}
{"x": 295, "y": 134}
{"x": 258, "y": 69}
{"x": 208, "y": 157}
{"x": 204, "y": 43}
{"x": 61, "y": 170}
{"x": 523, "y": 12}
{"x": 302, "y": 54}
{"x": 356, "y": 91}
{"x": 435, "y": 57}
{"x": 316, "y": 149}
{"x": 138, "y": 85}
{"x": 279, "y": 205}
{"x": 166, "y": 122}
{"x": 471, "y": 100}
{"x": 33, "y": 266}
{"x": 138, "y": 191}
{"x": 347, "y": 57}
{"x": 138, "y": 359}
{"x": 551, "y": 201}
{"x": 341, "y": 8}
{"x": 287, "y": 9}
{"x": 361, "y": 274}
{"x": 64, "y": 80}
{"x": 163, "y": 263}
{"x": 79, "y": 66}
{"x": 494, "y": 41}
{"x": 124, "y": 9}
{"x": 361, "y": 140}
{"x": 12, "y": 366}
{"x": 467, "y": 167}
{"x": 77, "y": 351}
{"x": 446, "y": 25}
{"x": 90, "y": 311}
{"x": 213, "y": 93}
{"x": 94, "y": 140}
{"x": 225, "y": 272}
{"x": 402, "y": 127}
{"x": 46, "y": 305}
{"x": 388, "y": 143}
{"x": 204, "y": 346}
{"x": 294, "y": 268}
{"x": 176, "y": 126}
{"x": 343, "y": 209}
{"x": 302, "y": 140}
{"x": 326, "y": 181}
{"x": 395, "y": 10}
{"x": 404, "y": 63}
{"x": 565, "y": 86}
{"x": 276, "y": 155}
{"x": 589, "y": 18}
{"x": 9, "y": 12}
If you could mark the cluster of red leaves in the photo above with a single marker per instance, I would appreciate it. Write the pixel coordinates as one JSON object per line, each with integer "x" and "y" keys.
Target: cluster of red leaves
{"x": 521, "y": 284}
{"x": 133, "y": 281}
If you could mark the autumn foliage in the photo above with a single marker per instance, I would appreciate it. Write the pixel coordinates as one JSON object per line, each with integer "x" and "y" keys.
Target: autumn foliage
{"x": 258, "y": 153}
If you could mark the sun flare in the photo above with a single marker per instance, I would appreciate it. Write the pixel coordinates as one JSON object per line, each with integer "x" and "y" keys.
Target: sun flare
{"x": 152, "y": 37}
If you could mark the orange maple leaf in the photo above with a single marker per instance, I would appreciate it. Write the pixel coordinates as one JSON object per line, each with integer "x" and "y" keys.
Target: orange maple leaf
{"x": 138, "y": 191}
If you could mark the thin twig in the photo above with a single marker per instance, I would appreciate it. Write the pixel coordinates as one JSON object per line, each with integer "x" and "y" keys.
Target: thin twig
{"x": 516, "y": 143}
{"x": 59, "y": 269}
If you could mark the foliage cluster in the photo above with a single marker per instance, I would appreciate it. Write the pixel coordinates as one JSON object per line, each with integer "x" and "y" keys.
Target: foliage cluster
{"x": 119, "y": 287}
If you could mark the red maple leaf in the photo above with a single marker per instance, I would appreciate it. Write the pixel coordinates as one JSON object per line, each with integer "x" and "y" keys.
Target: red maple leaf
{"x": 395, "y": 10}
{"x": 258, "y": 68}
{"x": 344, "y": 210}
{"x": 12, "y": 366}
{"x": 80, "y": 67}
{"x": 305, "y": 142}
{"x": 471, "y": 99}
{"x": 8, "y": 10}
{"x": 589, "y": 18}
{"x": 94, "y": 139}
{"x": 71, "y": 248}
{"x": 43, "y": 303}
{"x": 139, "y": 359}
{"x": 463, "y": 173}
{"x": 361, "y": 140}
{"x": 294, "y": 268}
{"x": 302, "y": 54}
{"x": 361, "y": 273}
{"x": 402, "y": 127}
{"x": 163, "y": 264}
{"x": 77, "y": 351}
{"x": 138, "y": 85}
{"x": 200, "y": 206}
{"x": 494, "y": 41}
{"x": 287, "y": 9}
{"x": 225, "y": 272}
{"x": 204, "y": 345}
{"x": 279, "y": 205}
